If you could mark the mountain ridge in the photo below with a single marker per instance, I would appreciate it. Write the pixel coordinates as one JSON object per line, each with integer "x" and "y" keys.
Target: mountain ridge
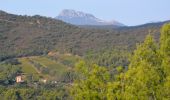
{"x": 81, "y": 18}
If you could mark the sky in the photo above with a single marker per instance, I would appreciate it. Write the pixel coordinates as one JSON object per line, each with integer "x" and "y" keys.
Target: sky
{"x": 128, "y": 12}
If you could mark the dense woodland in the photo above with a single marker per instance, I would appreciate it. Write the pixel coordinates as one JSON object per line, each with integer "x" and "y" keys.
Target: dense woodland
{"x": 82, "y": 63}
{"x": 37, "y": 35}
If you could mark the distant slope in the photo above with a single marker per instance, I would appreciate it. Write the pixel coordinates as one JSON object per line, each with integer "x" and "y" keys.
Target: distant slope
{"x": 104, "y": 27}
{"x": 22, "y": 36}
{"x": 81, "y": 18}
{"x": 112, "y": 27}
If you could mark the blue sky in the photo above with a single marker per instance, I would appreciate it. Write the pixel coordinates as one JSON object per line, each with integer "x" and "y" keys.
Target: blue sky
{"x": 129, "y": 12}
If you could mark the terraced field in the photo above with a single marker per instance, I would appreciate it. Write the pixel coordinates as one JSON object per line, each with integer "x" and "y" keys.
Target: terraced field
{"x": 27, "y": 67}
{"x": 50, "y": 67}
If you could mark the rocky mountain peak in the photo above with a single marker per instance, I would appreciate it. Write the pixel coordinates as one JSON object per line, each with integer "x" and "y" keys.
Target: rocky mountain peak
{"x": 81, "y": 18}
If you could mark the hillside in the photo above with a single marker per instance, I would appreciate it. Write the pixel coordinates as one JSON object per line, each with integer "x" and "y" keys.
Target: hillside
{"x": 36, "y": 35}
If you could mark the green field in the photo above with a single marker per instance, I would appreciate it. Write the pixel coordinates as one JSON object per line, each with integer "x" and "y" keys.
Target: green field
{"x": 27, "y": 67}
{"x": 56, "y": 68}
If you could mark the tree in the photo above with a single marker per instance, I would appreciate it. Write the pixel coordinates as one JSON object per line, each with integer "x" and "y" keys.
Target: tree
{"x": 11, "y": 94}
{"x": 144, "y": 73}
{"x": 8, "y": 73}
{"x": 165, "y": 48}
{"x": 92, "y": 82}
{"x": 165, "y": 52}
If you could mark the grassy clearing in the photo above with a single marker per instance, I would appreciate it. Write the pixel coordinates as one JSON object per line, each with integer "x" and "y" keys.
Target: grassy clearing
{"x": 57, "y": 67}
{"x": 27, "y": 67}
{"x": 48, "y": 66}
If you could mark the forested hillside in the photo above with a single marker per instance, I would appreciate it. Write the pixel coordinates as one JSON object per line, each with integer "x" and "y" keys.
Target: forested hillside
{"x": 37, "y": 35}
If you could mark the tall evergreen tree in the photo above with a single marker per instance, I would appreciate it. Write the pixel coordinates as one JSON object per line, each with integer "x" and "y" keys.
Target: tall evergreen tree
{"x": 165, "y": 51}
{"x": 165, "y": 48}
{"x": 144, "y": 75}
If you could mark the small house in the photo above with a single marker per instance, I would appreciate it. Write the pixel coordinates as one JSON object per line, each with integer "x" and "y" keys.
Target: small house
{"x": 19, "y": 78}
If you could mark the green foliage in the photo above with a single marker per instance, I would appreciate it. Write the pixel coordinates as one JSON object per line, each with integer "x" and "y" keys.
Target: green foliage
{"x": 33, "y": 94}
{"x": 141, "y": 82}
{"x": 165, "y": 52}
{"x": 8, "y": 73}
{"x": 117, "y": 56}
{"x": 145, "y": 52}
{"x": 11, "y": 94}
{"x": 144, "y": 69}
{"x": 165, "y": 48}
{"x": 147, "y": 77}
{"x": 92, "y": 83}
{"x": 142, "y": 77}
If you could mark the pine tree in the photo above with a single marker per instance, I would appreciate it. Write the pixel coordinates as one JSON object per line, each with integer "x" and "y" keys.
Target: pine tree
{"x": 165, "y": 48}
{"x": 144, "y": 73}
{"x": 165, "y": 51}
